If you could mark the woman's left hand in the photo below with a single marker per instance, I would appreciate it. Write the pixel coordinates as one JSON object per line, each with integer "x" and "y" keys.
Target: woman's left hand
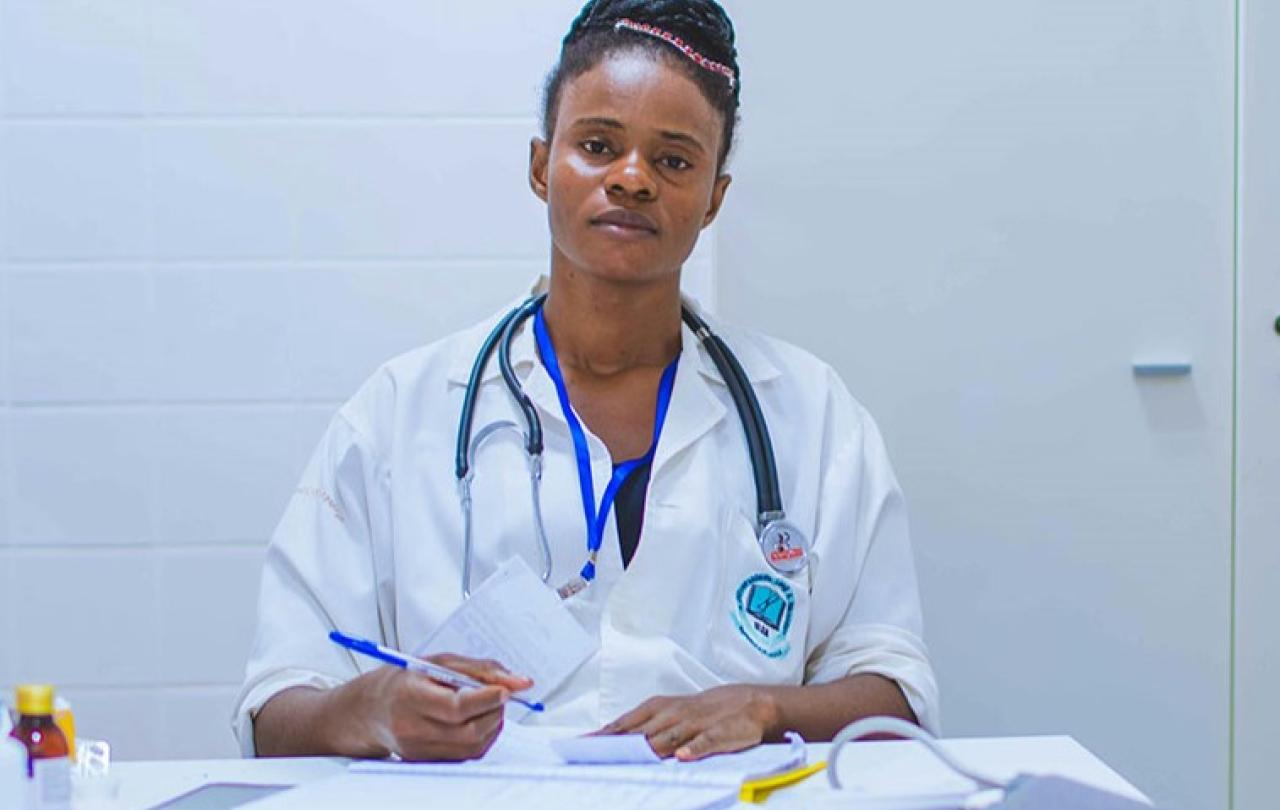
{"x": 717, "y": 721}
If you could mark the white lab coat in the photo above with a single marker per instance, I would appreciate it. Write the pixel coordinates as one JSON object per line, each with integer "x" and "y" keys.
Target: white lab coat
{"x": 371, "y": 541}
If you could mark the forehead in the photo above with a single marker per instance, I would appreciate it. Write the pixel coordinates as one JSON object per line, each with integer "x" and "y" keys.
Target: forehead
{"x": 643, "y": 91}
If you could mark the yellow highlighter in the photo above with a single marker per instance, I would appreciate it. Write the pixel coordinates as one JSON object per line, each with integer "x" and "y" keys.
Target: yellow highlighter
{"x": 756, "y": 791}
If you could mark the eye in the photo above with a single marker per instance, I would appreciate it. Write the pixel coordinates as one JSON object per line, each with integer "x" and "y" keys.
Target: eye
{"x": 676, "y": 162}
{"x": 595, "y": 146}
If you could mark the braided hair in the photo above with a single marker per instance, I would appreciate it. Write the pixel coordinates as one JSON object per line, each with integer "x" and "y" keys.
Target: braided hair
{"x": 695, "y": 36}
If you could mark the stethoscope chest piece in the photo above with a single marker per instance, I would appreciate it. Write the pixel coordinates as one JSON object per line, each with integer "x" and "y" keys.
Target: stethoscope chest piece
{"x": 784, "y": 546}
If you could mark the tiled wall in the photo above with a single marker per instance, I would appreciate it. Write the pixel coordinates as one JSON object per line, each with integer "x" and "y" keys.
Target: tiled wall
{"x": 216, "y": 218}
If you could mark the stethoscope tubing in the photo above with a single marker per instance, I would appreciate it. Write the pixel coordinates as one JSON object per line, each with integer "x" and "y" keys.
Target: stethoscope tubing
{"x": 533, "y": 439}
{"x": 763, "y": 464}
{"x": 462, "y": 457}
{"x": 770, "y": 517}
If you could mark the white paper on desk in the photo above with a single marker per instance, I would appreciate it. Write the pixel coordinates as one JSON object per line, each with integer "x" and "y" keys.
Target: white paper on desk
{"x": 489, "y": 792}
{"x": 528, "y": 755}
{"x": 518, "y": 621}
{"x": 614, "y": 749}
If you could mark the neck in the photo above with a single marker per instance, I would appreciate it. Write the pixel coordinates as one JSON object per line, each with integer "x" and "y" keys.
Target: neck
{"x": 603, "y": 328}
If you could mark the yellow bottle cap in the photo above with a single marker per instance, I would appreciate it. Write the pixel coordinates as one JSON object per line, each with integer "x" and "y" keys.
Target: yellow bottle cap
{"x": 34, "y": 699}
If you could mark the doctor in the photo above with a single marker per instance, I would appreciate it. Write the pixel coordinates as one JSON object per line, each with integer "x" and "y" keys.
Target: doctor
{"x": 705, "y": 644}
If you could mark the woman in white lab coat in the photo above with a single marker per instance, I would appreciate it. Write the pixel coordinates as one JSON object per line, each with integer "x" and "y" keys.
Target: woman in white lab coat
{"x": 639, "y": 119}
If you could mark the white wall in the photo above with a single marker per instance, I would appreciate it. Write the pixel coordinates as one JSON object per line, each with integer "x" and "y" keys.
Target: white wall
{"x": 216, "y": 218}
{"x": 1257, "y": 702}
{"x": 983, "y": 214}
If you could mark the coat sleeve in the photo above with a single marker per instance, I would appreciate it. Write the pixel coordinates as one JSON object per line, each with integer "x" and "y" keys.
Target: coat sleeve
{"x": 321, "y": 573}
{"x": 865, "y": 598}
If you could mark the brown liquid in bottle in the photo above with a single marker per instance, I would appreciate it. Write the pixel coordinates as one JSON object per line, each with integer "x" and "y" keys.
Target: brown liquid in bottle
{"x": 42, "y": 737}
{"x": 47, "y": 750}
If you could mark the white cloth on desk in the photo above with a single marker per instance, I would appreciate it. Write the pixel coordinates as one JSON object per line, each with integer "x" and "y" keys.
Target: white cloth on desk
{"x": 371, "y": 541}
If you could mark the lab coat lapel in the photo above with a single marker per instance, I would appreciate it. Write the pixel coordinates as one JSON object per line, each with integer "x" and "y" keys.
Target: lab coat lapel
{"x": 694, "y": 409}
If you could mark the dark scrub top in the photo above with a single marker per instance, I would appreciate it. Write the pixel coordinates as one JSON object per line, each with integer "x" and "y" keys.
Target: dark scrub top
{"x": 628, "y": 509}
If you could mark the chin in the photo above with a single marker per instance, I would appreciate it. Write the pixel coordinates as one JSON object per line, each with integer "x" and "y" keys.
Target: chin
{"x": 622, "y": 273}
{"x": 626, "y": 267}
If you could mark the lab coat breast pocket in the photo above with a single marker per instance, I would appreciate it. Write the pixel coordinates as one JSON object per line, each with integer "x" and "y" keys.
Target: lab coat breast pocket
{"x": 764, "y": 621}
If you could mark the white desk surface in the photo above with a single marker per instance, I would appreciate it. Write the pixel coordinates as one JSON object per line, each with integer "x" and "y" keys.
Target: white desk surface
{"x": 145, "y": 784}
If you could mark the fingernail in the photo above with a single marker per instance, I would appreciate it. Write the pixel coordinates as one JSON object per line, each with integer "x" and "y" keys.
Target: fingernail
{"x": 683, "y": 753}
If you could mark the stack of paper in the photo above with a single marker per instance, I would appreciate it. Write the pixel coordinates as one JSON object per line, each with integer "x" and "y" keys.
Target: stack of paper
{"x": 532, "y": 768}
{"x": 396, "y": 792}
{"x": 540, "y": 754}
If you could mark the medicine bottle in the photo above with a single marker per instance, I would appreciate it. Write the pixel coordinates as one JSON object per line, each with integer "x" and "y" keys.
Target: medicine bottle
{"x": 48, "y": 765}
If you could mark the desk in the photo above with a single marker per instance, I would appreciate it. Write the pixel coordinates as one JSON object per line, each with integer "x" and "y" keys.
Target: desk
{"x": 144, "y": 784}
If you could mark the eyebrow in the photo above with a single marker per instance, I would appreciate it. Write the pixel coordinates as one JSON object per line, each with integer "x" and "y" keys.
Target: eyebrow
{"x": 666, "y": 134}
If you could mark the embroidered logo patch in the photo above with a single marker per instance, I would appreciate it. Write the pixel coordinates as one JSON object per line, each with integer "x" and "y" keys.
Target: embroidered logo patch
{"x": 763, "y": 607}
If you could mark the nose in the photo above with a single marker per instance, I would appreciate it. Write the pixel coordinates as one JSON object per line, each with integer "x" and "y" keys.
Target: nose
{"x": 629, "y": 177}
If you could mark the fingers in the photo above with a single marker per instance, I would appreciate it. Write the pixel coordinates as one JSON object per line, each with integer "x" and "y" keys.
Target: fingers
{"x": 662, "y": 720}
{"x": 483, "y": 670}
{"x": 634, "y": 719}
{"x": 667, "y": 741}
{"x": 423, "y": 738}
{"x": 714, "y": 740}
{"x": 661, "y": 728}
{"x": 429, "y": 721}
{"x": 449, "y": 705}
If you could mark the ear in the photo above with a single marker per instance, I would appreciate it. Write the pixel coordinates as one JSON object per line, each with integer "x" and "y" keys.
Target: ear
{"x": 539, "y": 156}
{"x": 717, "y": 198}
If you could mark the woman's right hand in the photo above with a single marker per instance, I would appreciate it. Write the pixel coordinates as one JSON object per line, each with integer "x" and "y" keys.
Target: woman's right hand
{"x": 392, "y": 710}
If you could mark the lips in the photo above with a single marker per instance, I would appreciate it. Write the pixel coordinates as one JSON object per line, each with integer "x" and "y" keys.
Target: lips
{"x": 624, "y": 220}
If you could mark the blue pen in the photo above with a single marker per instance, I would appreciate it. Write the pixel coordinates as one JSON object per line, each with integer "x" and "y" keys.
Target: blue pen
{"x": 433, "y": 671}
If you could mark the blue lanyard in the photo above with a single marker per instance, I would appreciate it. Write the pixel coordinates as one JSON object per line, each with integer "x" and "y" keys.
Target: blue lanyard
{"x": 597, "y": 518}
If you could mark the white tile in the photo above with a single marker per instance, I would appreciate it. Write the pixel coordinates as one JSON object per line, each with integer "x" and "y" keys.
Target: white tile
{"x": 88, "y": 618}
{"x": 358, "y": 318}
{"x": 196, "y": 724}
{"x": 79, "y": 335}
{"x": 410, "y": 190}
{"x": 489, "y": 209}
{"x": 229, "y": 57}
{"x": 81, "y": 476}
{"x": 223, "y": 474}
{"x": 505, "y": 54}
{"x": 308, "y": 428}
{"x": 4, "y": 188}
{"x": 131, "y": 720}
{"x": 6, "y": 491}
{"x": 208, "y": 611}
{"x": 4, "y": 323}
{"x": 352, "y": 56}
{"x": 8, "y": 625}
{"x": 223, "y": 333}
{"x": 369, "y": 190}
{"x": 75, "y": 191}
{"x": 73, "y": 56}
{"x": 223, "y": 189}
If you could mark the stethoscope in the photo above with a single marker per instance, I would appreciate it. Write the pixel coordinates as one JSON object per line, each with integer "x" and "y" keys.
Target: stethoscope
{"x": 784, "y": 546}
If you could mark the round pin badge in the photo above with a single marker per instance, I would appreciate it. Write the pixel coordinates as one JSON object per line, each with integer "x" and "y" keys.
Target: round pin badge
{"x": 784, "y": 546}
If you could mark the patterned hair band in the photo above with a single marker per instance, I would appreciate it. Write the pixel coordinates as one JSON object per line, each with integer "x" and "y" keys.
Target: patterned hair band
{"x": 680, "y": 44}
